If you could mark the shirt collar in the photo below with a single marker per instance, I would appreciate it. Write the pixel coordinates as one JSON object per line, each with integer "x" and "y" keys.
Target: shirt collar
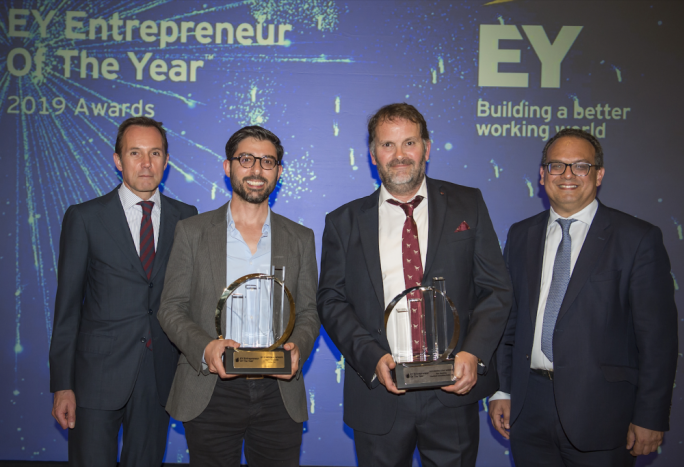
{"x": 130, "y": 199}
{"x": 586, "y": 215}
{"x": 385, "y": 195}
{"x": 265, "y": 230}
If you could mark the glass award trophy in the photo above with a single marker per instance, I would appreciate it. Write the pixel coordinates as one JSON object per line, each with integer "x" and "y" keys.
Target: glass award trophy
{"x": 422, "y": 327}
{"x": 260, "y": 316}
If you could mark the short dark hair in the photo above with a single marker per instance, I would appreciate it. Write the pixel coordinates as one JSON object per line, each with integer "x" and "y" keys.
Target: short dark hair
{"x": 398, "y": 111}
{"x": 140, "y": 121}
{"x": 579, "y": 134}
{"x": 256, "y": 132}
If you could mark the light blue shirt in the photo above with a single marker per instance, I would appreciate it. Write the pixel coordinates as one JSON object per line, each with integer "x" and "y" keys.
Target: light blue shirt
{"x": 256, "y": 316}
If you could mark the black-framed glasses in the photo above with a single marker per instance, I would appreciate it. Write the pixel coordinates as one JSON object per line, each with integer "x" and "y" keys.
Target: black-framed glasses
{"x": 580, "y": 169}
{"x": 248, "y": 161}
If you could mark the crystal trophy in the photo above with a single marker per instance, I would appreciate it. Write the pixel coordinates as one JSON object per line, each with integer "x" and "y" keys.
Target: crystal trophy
{"x": 260, "y": 316}
{"x": 423, "y": 325}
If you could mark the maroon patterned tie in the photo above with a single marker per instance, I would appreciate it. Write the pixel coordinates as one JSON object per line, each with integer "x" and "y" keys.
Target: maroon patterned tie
{"x": 147, "y": 237}
{"x": 147, "y": 246}
{"x": 413, "y": 274}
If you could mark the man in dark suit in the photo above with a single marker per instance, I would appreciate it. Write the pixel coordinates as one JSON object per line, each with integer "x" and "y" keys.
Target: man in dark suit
{"x": 363, "y": 268}
{"x": 110, "y": 361}
{"x": 211, "y": 251}
{"x": 587, "y": 361}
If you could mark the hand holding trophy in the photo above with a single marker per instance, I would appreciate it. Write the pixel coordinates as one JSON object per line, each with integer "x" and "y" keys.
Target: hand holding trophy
{"x": 259, "y": 317}
{"x": 422, "y": 328}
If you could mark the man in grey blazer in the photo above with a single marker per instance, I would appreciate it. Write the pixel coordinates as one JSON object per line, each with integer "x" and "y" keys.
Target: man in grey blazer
{"x": 214, "y": 249}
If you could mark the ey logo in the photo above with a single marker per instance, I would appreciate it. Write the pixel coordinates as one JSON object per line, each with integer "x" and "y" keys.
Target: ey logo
{"x": 550, "y": 55}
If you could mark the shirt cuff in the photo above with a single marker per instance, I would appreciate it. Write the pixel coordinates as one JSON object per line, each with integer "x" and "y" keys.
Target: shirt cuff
{"x": 500, "y": 395}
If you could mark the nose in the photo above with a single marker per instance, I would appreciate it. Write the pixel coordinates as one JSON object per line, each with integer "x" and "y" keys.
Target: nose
{"x": 256, "y": 168}
{"x": 146, "y": 160}
{"x": 567, "y": 173}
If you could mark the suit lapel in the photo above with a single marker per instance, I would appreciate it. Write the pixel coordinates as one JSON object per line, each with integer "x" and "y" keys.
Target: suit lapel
{"x": 536, "y": 241}
{"x": 167, "y": 225}
{"x": 437, "y": 207}
{"x": 368, "y": 226}
{"x": 217, "y": 236}
{"x": 596, "y": 241}
{"x": 280, "y": 242}
{"x": 114, "y": 220}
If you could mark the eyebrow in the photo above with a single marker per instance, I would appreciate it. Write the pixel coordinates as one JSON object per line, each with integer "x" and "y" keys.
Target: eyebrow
{"x": 151, "y": 149}
{"x": 250, "y": 154}
{"x": 581, "y": 161}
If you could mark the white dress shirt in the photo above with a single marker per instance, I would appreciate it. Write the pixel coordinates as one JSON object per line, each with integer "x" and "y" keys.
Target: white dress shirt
{"x": 133, "y": 212}
{"x": 554, "y": 234}
{"x": 391, "y": 220}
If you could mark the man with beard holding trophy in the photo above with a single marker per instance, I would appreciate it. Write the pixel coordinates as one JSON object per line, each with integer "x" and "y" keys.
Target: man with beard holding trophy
{"x": 219, "y": 248}
{"x": 368, "y": 259}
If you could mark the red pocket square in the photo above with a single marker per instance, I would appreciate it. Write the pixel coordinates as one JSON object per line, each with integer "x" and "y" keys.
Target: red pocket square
{"x": 463, "y": 227}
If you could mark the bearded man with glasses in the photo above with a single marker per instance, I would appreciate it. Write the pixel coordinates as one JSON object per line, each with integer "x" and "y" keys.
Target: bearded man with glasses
{"x": 587, "y": 362}
{"x": 244, "y": 236}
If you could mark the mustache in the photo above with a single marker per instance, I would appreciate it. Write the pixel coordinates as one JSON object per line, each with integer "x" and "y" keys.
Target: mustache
{"x": 405, "y": 161}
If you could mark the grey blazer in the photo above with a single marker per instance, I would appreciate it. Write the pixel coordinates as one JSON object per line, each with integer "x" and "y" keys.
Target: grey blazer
{"x": 195, "y": 278}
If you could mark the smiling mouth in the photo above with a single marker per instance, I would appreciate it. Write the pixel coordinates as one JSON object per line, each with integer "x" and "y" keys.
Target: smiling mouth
{"x": 568, "y": 187}
{"x": 255, "y": 183}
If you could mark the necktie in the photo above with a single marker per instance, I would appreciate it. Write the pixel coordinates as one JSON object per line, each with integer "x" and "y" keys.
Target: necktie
{"x": 413, "y": 275}
{"x": 559, "y": 284}
{"x": 147, "y": 237}
{"x": 147, "y": 247}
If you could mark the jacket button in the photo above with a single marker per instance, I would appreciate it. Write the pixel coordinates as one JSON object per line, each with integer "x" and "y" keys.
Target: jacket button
{"x": 150, "y": 285}
{"x": 379, "y": 331}
{"x": 527, "y": 357}
{"x": 143, "y": 340}
{"x": 149, "y": 311}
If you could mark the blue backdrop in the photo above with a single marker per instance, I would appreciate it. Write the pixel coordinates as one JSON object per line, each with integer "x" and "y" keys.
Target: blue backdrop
{"x": 494, "y": 80}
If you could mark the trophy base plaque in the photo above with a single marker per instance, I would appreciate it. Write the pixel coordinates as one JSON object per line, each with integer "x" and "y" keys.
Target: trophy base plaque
{"x": 256, "y": 361}
{"x": 419, "y": 375}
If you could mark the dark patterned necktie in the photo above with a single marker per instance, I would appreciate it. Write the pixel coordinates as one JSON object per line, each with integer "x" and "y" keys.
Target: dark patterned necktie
{"x": 147, "y": 237}
{"x": 413, "y": 275}
{"x": 147, "y": 247}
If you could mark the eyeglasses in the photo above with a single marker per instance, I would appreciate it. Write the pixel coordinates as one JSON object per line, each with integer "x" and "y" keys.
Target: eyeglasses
{"x": 248, "y": 161}
{"x": 580, "y": 169}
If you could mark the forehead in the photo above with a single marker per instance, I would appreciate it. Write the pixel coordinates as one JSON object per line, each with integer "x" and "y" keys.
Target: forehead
{"x": 256, "y": 147}
{"x": 571, "y": 149}
{"x": 135, "y": 135}
{"x": 397, "y": 128}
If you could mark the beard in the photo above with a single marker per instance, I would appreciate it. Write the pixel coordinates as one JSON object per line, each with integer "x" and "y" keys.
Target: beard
{"x": 251, "y": 196}
{"x": 402, "y": 183}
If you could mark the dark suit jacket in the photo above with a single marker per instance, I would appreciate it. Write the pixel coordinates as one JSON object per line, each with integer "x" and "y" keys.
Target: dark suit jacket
{"x": 351, "y": 298}
{"x": 196, "y": 279}
{"x": 615, "y": 342}
{"x": 105, "y": 304}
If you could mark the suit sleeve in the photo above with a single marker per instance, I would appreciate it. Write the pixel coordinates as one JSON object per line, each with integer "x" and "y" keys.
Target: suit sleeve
{"x": 651, "y": 298}
{"x": 337, "y": 314}
{"x": 504, "y": 353}
{"x": 492, "y": 287}
{"x": 307, "y": 324}
{"x": 174, "y": 310}
{"x": 71, "y": 283}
